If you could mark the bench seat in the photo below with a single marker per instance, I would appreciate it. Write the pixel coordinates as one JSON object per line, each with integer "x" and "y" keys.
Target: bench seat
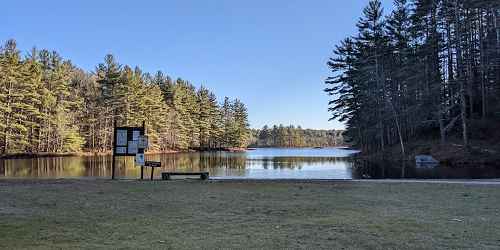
{"x": 167, "y": 175}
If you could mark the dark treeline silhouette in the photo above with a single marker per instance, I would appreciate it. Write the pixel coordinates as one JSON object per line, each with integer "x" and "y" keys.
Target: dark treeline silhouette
{"x": 47, "y": 104}
{"x": 291, "y": 136}
{"x": 431, "y": 68}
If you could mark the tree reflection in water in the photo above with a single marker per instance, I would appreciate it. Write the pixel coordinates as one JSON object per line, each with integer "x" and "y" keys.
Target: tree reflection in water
{"x": 223, "y": 164}
{"x": 217, "y": 163}
{"x": 294, "y": 162}
{"x": 363, "y": 169}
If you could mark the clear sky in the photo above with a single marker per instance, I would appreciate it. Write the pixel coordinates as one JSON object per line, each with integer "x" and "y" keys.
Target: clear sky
{"x": 269, "y": 53}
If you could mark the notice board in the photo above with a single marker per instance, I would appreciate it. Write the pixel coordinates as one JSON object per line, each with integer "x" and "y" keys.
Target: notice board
{"x": 128, "y": 141}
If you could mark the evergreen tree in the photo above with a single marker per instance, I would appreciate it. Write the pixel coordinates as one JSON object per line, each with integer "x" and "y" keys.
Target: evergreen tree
{"x": 204, "y": 116}
{"x": 13, "y": 91}
{"x": 216, "y": 122}
{"x": 424, "y": 68}
{"x": 49, "y": 105}
{"x": 291, "y": 136}
{"x": 34, "y": 117}
{"x": 241, "y": 133}
{"x": 109, "y": 76}
{"x": 229, "y": 123}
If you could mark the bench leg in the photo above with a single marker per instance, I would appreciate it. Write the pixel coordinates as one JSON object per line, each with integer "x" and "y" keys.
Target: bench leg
{"x": 152, "y": 173}
{"x": 204, "y": 176}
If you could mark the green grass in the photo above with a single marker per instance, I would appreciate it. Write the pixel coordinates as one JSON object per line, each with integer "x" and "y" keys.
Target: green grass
{"x": 247, "y": 215}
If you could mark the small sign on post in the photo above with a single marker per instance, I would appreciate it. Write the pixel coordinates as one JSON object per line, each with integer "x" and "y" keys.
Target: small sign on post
{"x": 153, "y": 164}
{"x": 139, "y": 160}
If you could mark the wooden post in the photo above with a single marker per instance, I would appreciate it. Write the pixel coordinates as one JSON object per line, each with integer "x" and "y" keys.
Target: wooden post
{"x": 113, "y": 151}
{"x": 142, "y": 167}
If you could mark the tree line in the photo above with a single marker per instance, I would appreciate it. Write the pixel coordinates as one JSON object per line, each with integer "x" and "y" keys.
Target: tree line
{"x": 291, "y": 136}
{"x": 431, "y": 68}
{"x": 47, "y": 104}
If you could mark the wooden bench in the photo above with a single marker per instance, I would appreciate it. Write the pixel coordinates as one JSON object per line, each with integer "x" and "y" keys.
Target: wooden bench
{"x": 167, "y": 175}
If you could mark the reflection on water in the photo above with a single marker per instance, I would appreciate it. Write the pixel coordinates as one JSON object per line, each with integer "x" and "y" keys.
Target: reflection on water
{"x": 272, "y": 163}
{"x": 261, "y": 163}
{"x": 409, "y": 170}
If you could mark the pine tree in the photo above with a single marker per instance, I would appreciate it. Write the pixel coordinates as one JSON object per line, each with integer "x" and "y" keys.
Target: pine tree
{"x": 13, "y": 89}
{"x": 229, "y": 123}
{"x": 109, "y": 80}
{"x": 241, "y": 126}
{"x": 49, "y": 105}
{"x": 89, "y": 111}
{"x": 422, "y": 69}
{"x": 204, "y": 118}
{"x": 34, "y": 117}
{"x": 264, "y": 136}
{"x": 216, "y": 123}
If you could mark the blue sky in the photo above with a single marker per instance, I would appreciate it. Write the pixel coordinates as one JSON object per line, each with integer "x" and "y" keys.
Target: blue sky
{"x": 269, "y": 54}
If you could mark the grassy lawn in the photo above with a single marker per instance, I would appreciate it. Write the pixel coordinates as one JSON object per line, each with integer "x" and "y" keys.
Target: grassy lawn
{"x": 245, "y": 215}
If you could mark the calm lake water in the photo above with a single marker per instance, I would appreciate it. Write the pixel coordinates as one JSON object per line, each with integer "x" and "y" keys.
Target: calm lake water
{"x": 270, "y": 163}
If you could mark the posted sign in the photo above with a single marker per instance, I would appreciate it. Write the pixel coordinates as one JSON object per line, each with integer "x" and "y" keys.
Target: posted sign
{"x": 132, "y": 147}
{"x": 139, "y": 160}
{"x": 121, "y": 137}
{"x": 129, "y": 141}
{"x": 142, "y": 142}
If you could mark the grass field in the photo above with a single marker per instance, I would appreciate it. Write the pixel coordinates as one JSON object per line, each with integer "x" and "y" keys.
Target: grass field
{"x": 99, "y": 214}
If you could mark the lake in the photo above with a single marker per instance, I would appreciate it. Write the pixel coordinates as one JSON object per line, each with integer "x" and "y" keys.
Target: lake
{"x": 265, "y": 163}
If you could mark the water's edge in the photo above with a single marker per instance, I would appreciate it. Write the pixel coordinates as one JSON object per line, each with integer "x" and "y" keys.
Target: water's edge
{"x": 260, "y": 163}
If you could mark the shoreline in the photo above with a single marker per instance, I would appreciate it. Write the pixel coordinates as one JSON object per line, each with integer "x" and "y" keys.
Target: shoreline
{"x": 15, "y": 156}
{"x": 452, "y": 153}
{"x": 487, "y": 182}
{"x": 76, "y": 154}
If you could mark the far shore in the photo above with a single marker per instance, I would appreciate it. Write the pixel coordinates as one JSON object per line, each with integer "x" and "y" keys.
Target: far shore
{"x": 107, "y": 153}
{"x": 45, "y": 155}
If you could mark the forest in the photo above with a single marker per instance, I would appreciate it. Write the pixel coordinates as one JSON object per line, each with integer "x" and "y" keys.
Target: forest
{"x": 429, "y": 70}
{"x": 291, "y": 136}
{"x": 49, "y": 105}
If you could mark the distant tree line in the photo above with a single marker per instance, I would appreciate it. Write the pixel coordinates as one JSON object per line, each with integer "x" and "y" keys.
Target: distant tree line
{"x": 429, "y": 68}
{"x": 47, "y": 104}
{"x": 291, "y": 136}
